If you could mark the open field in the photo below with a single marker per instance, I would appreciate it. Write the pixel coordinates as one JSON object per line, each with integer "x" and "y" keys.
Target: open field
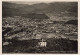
{"x": 30, "y": 46}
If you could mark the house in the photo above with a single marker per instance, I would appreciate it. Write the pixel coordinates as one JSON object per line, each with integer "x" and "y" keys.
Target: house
{"x": 42, "y": 43}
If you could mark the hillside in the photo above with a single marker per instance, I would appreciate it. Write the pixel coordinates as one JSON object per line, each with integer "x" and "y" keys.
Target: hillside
{"x": 12, "y": 9}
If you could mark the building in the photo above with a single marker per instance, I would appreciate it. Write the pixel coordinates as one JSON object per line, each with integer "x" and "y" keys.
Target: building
{"x": 42, "y": 43}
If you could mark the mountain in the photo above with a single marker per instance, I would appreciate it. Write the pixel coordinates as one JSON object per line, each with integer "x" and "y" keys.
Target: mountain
{"x": 40, "y": 5}
{"x": 13, "y": 9}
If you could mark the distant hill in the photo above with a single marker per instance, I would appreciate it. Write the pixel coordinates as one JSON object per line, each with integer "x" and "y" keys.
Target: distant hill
{"x": 74, "y": 22}
{"x": 13, "y": 9}
{"x": 37, "y": 16}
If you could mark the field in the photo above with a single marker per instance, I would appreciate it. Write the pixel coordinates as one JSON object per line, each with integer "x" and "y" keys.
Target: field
{"x": 30, "y": 46}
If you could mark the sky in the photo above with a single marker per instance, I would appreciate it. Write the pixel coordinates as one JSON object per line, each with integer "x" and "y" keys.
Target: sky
{"x": 28, "y": 2}
{"x": 33, "y": 2}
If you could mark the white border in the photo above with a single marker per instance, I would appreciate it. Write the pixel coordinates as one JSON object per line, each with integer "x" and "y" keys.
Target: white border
{"x": 42, "y": 1}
